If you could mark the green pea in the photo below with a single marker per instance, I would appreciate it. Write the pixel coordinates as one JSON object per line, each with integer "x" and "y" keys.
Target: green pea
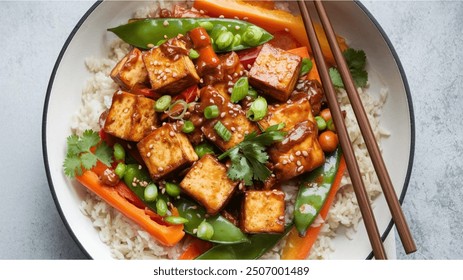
{"x": 120, "y": 169}
{"x": 205, "y": 230}
{"x": 175, "y": 220}
{"x": 172, "y": 189}
{"x": 224, "y": 40}
{"x": 119, "y": 152}
{"x": 193, "y": 54}
{"x": 252, "y": 35}
{"x": 321, "y": 123}
{"x": 150, "y": 193}
{"x": 161, "y": 207}
{"x": 206, "y": 25}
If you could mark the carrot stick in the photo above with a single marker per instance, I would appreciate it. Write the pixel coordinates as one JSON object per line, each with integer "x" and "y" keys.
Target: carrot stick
{"x": 167, "y": 235}
{"x": 194, "y": 249}
{"x": 298, "y": 248}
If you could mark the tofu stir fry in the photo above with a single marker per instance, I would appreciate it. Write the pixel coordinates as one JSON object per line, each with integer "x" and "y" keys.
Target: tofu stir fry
{"x": 212, "y": 117}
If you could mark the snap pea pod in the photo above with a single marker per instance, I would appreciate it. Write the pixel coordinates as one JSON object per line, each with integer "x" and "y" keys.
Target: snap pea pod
{"x": 224, "y": 231}
{"x": 148, "y": 32}
{"x": 259, "y": 244}
{"x": 136, "y": 178}
{"x": 313, "y": 192}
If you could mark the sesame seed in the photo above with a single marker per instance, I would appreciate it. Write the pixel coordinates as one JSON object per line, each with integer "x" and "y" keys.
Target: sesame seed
{"x": 174, "y": 74}
{"x": 222, "y": 115}
{"x": 233, "y": 129}
{"x": 299, "y": 169}
{"x": 165, "y": 23}
{"x": 165, "y": 37}
{"x": 150, "y": 46}
{"x": 221, "y": 16}
{"x": 129, "y": 146}
{"x": 291, "y": 157}
{"x": 305, "y": 153}
{"x": 214, "y": 60}
{"x": 298, "y": 153}
{"x": 245, "y": 18}
{"x": 202, "y": 37}
{"x": 140, "y": 167}
{"x": 201, "y": 80}
{"x": 126, "y": 110}
{"x": 298, "y": 163}
{"x": 237, "y": 27}
{"x": 172, "y": 134}
{"x": 148, "y": 154}
{"x": 230, "y": 112}
{"x": 160, "y": 169}
{"x": 284, "y": 162}
{"x": 287, "y": 29}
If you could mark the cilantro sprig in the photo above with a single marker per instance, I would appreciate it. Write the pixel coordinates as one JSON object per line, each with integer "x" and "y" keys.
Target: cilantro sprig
{"x": 79, "y": 156}
{"x": 249, "y": 157}
{"x": 356, "y": 61}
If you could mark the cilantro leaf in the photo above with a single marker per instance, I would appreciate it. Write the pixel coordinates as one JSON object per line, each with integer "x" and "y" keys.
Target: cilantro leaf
{"x": 356, "y": 61}
{"x": 249, "y": 157}
{"x": 336, "y": 78}
{"x": 80, "y": 157}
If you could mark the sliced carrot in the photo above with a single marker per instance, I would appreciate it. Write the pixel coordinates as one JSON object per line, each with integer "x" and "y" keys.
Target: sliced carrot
{"x": 298, "y": 248}
{"x": 304, "y": 53}
{"x": 167, "y": 235}
{"x": 195, "y": 248}
{"x": 269, "y": 19}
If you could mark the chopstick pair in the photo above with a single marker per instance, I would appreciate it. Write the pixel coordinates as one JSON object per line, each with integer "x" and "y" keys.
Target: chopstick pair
{"x": 367, "y": 133}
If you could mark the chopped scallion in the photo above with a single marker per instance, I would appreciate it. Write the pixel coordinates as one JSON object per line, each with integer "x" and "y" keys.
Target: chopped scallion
{"x": 204, "y": 149}
{"x": 222, "y": 131}
{"x": 211, "y": 112}
{"x": 162, "y": 103}
{"x": 188, "y": 127}
{"x": 258, "y": 109}
{"x": 240, "y": 89}
{"x": 177, "y": 109}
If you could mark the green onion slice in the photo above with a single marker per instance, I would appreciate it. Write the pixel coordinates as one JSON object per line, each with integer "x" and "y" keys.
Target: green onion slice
{"x": 240, "y": 89}
{"x": 173, "y": 111}
{"x": 211, "y": 112}
{"x": 258, "y": 109}
{"x": 222, "y": 131}
{"x": 188, "y": 127}
{"x": 162, "y": 103}
{"x": 204, "y": 149}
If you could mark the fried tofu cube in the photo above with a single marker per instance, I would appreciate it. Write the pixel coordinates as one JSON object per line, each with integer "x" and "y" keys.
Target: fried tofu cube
{"x": 275, "y": 72}
{"x": 263, "y": 212}
{"x": 166, "y": 150}
{"x": 170, "y": 74}
{"x": 207, "y": 182}
{"x": 130, "y": 117}
{"x": 232, "y": 116}
{"x": 298, "y": 153}
{"x": 130, "y": 71}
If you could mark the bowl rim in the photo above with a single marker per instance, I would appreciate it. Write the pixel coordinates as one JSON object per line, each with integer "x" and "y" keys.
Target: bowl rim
{"x": 90, "y": 11}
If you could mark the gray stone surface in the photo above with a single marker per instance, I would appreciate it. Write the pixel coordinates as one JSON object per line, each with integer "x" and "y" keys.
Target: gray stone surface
{"x": 426, "y": 36}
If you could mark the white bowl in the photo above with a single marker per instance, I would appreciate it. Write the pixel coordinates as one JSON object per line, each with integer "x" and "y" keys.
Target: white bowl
{"x": 90, "y": 38}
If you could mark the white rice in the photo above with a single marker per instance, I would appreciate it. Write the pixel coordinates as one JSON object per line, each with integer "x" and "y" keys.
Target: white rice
{"x": 127, "y": 241}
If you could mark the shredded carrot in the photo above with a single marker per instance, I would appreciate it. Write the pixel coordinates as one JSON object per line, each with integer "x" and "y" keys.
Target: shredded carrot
{"x": 298, "y": 248}
{"x": 195, "y": 248}
{"x": 167, "y": 235}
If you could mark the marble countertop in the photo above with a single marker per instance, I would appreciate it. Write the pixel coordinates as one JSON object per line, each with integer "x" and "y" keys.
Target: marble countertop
{"x": 424, "y": 34}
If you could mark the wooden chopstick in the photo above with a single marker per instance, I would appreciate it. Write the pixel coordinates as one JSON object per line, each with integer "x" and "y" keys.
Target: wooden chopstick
{"x": 368, "y": 135}
{"x": 352, "y": 165}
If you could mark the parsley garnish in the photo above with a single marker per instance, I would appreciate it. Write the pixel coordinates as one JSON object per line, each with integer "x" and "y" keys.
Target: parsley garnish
{"x": 249, "y": 157}
{"x": 356, "y": 61}
{"x": 79, "y": 157}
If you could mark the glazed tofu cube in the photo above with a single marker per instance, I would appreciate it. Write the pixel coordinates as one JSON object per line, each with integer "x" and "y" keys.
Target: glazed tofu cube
{"x": 207, "y": 182}
{"x": 275, "y": 72}
{"x": 291, "y": 113}
{"x": 263, "y": 212}
{"x": 131, "y": 117}
{"x": 130, "y": 71}
{"x": 298, "y": 153}
{"x": 166, "y": 150}
{"x": 170, "y": 74}
{"x": 232, "y": 116}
